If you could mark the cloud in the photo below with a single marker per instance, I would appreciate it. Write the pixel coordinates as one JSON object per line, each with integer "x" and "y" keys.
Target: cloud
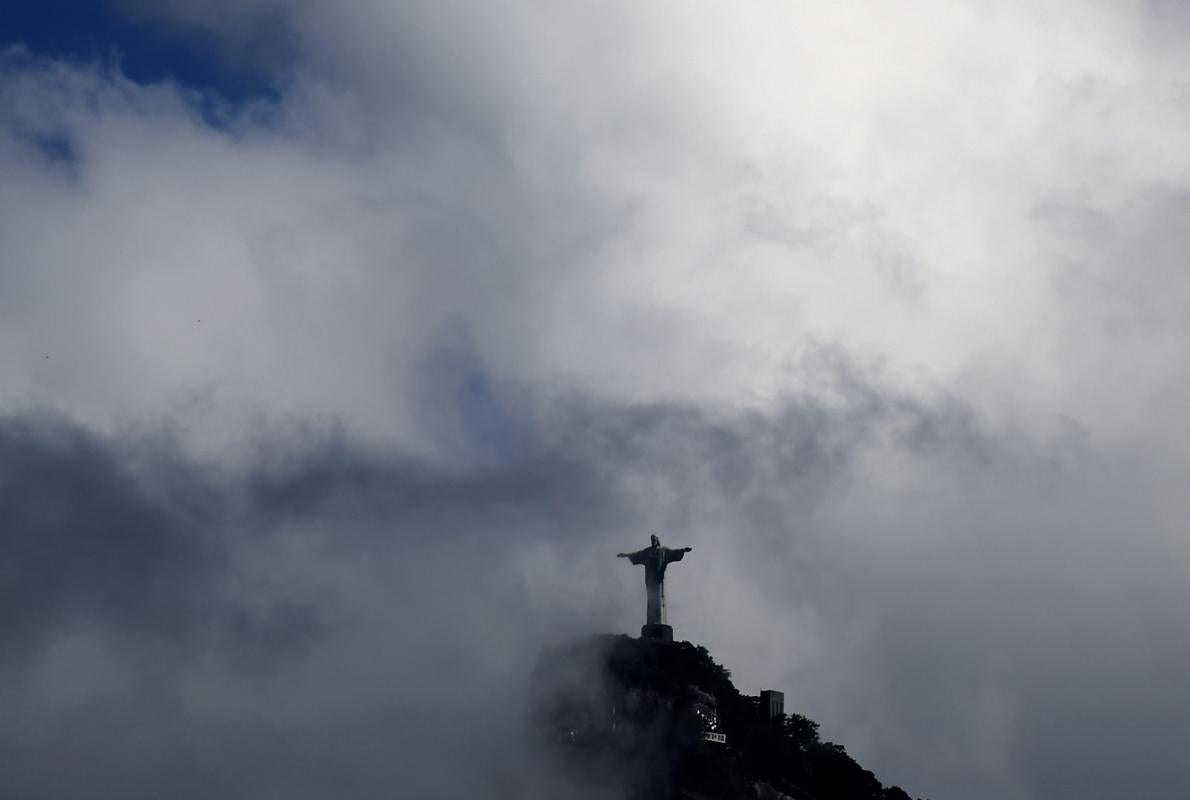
{"x": 86, "y": 539}
{"x": 349, "y": 595}
{"x": 882, "y": 311}
{"x": 330, "y": 620}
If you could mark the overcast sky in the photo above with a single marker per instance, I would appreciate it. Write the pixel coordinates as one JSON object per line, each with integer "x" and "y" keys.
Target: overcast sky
{"x": 343, "y": 346}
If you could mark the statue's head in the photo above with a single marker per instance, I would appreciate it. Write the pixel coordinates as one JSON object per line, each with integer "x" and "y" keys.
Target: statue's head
{"x": 656, "y": 540}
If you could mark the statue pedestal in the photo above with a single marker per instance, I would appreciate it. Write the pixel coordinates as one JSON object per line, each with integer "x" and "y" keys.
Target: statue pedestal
{"x": 658, "y": 632}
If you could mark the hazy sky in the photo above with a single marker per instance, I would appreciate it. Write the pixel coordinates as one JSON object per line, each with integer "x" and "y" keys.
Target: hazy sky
{"x": 343, "y": 346}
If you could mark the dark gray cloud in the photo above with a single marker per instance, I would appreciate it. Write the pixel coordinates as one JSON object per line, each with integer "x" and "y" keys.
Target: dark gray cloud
{"x": 333, "y": 621}
{"x": 91, "y": 534}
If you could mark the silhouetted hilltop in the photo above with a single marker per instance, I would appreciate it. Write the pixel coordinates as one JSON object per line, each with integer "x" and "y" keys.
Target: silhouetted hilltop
{"x": 657, "y": 720}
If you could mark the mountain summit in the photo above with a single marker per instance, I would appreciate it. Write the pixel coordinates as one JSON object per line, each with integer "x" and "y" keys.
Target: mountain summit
{"x": 643, "y": 718}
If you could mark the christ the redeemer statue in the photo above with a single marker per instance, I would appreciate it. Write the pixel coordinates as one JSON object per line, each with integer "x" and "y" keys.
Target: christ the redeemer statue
{"x": 655, "y": 558}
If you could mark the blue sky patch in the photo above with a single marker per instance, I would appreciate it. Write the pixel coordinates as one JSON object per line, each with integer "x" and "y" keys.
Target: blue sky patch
{"x": 148, "y": 52}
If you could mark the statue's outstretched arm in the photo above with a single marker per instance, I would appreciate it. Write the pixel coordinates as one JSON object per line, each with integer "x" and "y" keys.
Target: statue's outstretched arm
{"x": 676, "y": 554}
{"x": 635, "y": 558}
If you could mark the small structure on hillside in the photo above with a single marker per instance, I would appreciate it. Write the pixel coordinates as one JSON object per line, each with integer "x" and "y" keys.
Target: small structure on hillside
{"x": 772, "y": 703}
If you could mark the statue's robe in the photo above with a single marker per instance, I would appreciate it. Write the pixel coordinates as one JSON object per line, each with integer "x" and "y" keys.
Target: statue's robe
{"x": 655, "y": 559}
